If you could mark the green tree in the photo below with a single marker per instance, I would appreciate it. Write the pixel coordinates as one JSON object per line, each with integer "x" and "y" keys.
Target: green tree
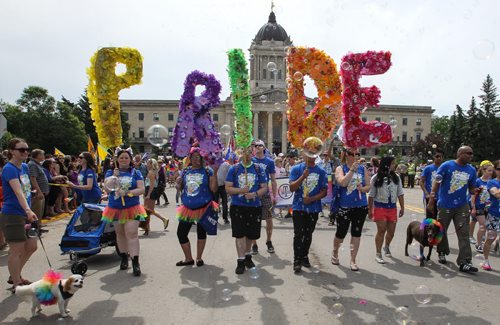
{"x": 440, "y": 125}
{"x": 455, "y": 137}
{"x": 489, "y": 102}
{"x": 472, "y": 129}
{"x": 45, "y": 123}
{"x": 489, "y": 130}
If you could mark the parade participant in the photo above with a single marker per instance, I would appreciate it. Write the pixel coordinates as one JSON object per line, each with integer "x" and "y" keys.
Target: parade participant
{"x": 479, "y": 202}
{"x": 16, "y": 211}
{"x": 124, "y": 208}
{"x": 402, "y": 171}
{"x": 309, "y": 184}
{"x": 221, "y": 185}
{"x": 385, "y": 190}
{"x": 87, "y": 179}
{"x": 162, "y": 183}
{"x": 3, "y": 242}
{"x": 352, "y": 180}
{"x": 268, "y": 200}
{"x": 280, "y": 170}
{"x": 493, "y": 223}
{"x": 246, "y": 184}
{"x": 197, "y": 185}
{"x": 453, "y": 179}
{"x": 426, "y": 179}
{"x": 151, "y": 194}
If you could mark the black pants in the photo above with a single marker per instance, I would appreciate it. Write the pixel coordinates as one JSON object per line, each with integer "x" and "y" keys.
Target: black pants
{"x": 52, "y": 197}
{"x": 161, "y": 194}
{"x": 411, "y": 180}
{"x": 303, "y": 227}
{"x": 221, "y": 193}
{"x": 183, "y": 231}
{"x": 434, "y": 213}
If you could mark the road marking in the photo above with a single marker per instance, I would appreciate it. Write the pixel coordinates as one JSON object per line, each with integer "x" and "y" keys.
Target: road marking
{"x": 414, "y": 208}
{"x": 56, "y": 218}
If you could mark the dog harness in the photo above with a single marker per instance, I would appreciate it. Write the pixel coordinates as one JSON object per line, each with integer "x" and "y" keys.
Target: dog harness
{"x": 65, "y": 295}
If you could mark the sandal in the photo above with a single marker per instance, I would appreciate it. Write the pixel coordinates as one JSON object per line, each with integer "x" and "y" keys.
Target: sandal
{"x": 24, "y": 282}
{"x": 184, "y": 263}
{"x": 354, "y": 267}
{"x": 165, "y": 223}
{"x": 200, "y": 262}
{"x": 335, "y": 260}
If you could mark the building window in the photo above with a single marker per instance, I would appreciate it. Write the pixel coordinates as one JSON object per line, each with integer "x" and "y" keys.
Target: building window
{"x": 141, "y": 116}
{"x": 141, "y": 148}
{"x": 156, "y": 117}
{"x": 418, "y": 135}
{"x": 419, "y": 121}
{"x": 264, "y": 74}
{"x": 141, "y": 132}
{"x": 125, "y": 116}
{"x": 378, "y": 118}
{"x": 364, "y": 119}
{"x": 133, "y": 134}
{"x": 170, "y": 116}
{"x": 363, "y": 151}
{"x": 405, "y": 121}
{"x": 170, "y": 131}
{"x": 279, "y": 74}
{"x": 215, "y": 117}
{"x": 405, "y": 136}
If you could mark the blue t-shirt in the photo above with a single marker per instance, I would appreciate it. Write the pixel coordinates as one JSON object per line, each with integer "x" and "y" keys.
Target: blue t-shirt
{"x": 11, "y": 204}
{"x": 196, "y": 187}
{"x": 313, "y": 184}
{"x": 254, "y": 179}
{"x": 128, "y": 181}
{"x": 494, "y": 207}
{"x": 94, "y": 194}
{"x": 429, "y": 173}
{"x": 484, "y": 196}
{"x": 350, "y": 197}
{"x": 265, "y": 164}
{"x": 454, "y": 187}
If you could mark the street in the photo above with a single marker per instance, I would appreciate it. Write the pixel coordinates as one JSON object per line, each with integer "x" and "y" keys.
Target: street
{"x": 214, "y": 294}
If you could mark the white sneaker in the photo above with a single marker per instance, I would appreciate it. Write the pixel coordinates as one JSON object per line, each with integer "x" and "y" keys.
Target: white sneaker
{"x": 379, "y": 259}
{"x": 472, "y": 240}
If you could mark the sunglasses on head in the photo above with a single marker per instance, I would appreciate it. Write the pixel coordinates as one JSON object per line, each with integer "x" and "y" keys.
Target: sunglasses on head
{"x": 22, "y": 150}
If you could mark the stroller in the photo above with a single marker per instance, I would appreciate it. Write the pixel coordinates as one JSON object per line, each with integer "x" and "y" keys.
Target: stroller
{"x": 86, "y": 235}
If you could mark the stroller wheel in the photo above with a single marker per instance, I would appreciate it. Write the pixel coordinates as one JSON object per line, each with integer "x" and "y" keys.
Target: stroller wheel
{"x": 79, "y": 268}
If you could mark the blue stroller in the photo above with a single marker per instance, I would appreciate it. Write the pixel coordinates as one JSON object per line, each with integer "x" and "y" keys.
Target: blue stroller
{"x": 86, "y": 235}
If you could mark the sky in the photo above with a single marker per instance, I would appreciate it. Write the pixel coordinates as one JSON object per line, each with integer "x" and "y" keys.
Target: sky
{"x": 441, "y": 50}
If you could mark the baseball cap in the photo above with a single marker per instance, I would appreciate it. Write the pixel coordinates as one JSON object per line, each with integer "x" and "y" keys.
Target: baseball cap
{"x": 259, "y": 143}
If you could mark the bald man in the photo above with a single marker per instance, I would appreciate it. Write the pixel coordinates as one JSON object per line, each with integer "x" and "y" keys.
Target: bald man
{"x": 453, "y": 180}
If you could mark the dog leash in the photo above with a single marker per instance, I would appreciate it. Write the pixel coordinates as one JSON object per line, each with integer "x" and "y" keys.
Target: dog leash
{"x": 43, "y": 247}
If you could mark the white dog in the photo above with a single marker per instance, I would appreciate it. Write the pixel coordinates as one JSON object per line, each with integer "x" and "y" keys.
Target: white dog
{"x": 51, "y": 290}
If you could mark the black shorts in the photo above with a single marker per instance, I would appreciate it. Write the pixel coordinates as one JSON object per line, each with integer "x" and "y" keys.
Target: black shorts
{"x": 156, "y": 193}
{"x": 245, "y": 221}
{"x": 13, "y": 227}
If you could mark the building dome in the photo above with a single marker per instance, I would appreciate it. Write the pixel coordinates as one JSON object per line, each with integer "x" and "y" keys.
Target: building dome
{"x": 271, "y": 31}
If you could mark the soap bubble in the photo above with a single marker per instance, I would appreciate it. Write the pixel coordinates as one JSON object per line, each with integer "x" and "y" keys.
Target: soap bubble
{"x": 414, "y": 251}
{"x": 422, "y": 294}
{"x": 263, "y": 98}
{"x": 338, "y": 309}
{"x": 271, "y": 66}
{"x": 226, "y": 294}
{"x": 298, "y": 76}
{"x": 479, "y": 257}
{"x": 438, "y": 179}
{"x": 434, "y": 146}
{"x": 313, "y": 147}
{"x": 112, "y": 183}
{"x": 225, "y": 129}
{"x": 254, "y": 273}
{"x": 484, "y": 49}
{"x": 393, "y": 123}
{"x": 315, "y": 269}
{"x": 277, "y": 106}
{"x": 401, "y": 315}
{"x": 157, "y": 135}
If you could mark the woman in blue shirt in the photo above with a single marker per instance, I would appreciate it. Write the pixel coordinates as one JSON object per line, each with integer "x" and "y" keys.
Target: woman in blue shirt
{"x": 124, "y": 208}
{"x": 87, "y": 179}
{"x": 352, "y": 179}
{"x": 493, "y": 223}
{"x": 479, "y": 202}
{"x": 16, "y": 211}
{"x": 197, "y": 185}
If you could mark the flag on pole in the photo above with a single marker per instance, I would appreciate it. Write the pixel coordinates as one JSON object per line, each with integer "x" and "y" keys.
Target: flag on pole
{"x": 102, "y": 152}
{"x": 58, "y": 152}
{"x": 90, "y": 146}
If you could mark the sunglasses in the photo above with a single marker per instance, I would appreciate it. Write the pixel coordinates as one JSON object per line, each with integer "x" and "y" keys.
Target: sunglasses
{"x": 22, "y": 150}
{"x": 259, "y": 145}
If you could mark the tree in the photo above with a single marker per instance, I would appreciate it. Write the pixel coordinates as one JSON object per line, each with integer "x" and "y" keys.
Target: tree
{"x": 45, "y": 123}
{"x": 489, "y": 130}
{"x": 472, "y": 129}
{"x": 489, "y": 102}
{"x": 455, "y": 136}
{"x": 440, "y": 125}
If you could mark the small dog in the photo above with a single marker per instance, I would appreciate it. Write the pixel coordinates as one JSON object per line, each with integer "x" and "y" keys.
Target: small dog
{"x": 427, "y": 235}
{"x": 51, "y": 290}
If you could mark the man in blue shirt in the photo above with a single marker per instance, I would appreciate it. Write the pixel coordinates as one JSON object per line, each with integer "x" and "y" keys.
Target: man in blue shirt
{"x": 246, "y": 183}
{"x": 309, "y": 184}
{"x": 453, "y": 179}
{"x": 426, "y": 179}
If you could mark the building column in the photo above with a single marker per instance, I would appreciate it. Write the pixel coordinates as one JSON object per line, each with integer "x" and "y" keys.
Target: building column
{"x": 284, "y": 140}
{"x": 270, "y": 131}
{"x": 255, "y": 125}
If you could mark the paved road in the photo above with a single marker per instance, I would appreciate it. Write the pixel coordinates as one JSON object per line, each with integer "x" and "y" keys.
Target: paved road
{"x": 166, "y": 294}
